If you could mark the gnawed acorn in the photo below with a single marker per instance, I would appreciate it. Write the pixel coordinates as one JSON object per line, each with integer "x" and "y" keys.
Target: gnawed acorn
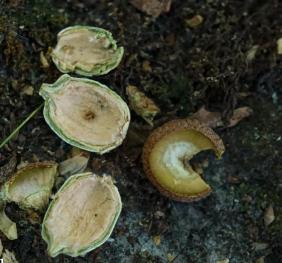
{"x": 82, "y": 215}
{"x": 86, "y": 51}
{"x": 166, "y": 156}
{"x": 32, "y": 185}
{"x": 85, "y": 113}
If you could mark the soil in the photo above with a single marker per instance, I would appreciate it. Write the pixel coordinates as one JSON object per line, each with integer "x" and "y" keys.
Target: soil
{"x": 212, "y": 65}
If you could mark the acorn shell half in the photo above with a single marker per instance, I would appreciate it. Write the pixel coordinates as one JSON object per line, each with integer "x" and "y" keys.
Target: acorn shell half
{"x": 82, "y": 215}
{"x": 31, "y": 186}
{"x": 85, "y": 113}
{"x": 87, "y": 51}
{"x": 166, "y": 156}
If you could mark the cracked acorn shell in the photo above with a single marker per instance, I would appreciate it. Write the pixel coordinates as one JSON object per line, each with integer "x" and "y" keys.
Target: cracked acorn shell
{"x": 87, "y": 51}
{"x": 166, "y": 156}
{"x": 32, "y": 185}
{"x": 7, "y": 226}
{"x": 85, "y": 113}
{"x": 82, "y": 215}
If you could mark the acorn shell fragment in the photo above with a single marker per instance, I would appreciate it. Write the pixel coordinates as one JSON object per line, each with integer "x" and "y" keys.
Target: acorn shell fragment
{"x": 85, "y": 113}
{"x": 32, "y": 185}
{"x": 7, "y": 226}
{"x": 166, "y": 156}
{"x": 142, "y": 105}
{"x": 82, "y": 215}
{"x": 87, "y": 51}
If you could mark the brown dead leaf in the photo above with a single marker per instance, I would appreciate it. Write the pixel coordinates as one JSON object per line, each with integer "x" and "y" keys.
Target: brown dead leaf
{"x": 211, "y": 119}
{"x": 152, "y": 7}
{"x": 240, "y": 114}
{"x": 214, "y": 119}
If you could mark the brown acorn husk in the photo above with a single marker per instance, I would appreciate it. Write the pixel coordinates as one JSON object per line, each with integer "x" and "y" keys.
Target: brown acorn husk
{"x": 167, "y": 128}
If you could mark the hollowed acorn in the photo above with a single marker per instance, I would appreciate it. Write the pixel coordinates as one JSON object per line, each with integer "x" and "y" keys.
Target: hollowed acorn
{"x": 166, "y": 156}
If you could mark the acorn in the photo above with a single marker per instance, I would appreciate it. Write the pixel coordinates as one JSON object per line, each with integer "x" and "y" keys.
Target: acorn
{"x": 166, "y": 156}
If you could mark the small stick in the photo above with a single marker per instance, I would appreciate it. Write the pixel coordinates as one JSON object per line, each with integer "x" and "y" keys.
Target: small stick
{"x": 31, "y": 115}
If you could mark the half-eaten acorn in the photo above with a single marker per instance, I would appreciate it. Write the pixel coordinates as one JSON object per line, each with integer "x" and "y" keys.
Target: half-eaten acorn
{"x": 85, "y": 113}
{"x": 166, "y": 156}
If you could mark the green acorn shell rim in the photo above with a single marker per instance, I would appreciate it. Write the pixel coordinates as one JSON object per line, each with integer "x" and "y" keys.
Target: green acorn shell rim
{"x": 5, "y": 191}
{"x": 58, "y": 85}
{"x": 79, "y": 68}
{"x": 46, "y": 236}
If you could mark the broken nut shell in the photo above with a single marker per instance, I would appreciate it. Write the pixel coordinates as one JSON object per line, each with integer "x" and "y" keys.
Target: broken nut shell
{"x": 88, "y": 51}
{"x": 85, "y": 113}
{"x": 166, "y": 156}
{"x": 31, "y": 186}
{"x": 82, "y": 215}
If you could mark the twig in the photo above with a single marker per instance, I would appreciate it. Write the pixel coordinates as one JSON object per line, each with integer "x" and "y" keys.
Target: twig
{"x": 31, "y": 115}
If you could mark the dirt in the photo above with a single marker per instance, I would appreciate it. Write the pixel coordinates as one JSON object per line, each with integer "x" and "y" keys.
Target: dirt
{"x": 181, "y": 69}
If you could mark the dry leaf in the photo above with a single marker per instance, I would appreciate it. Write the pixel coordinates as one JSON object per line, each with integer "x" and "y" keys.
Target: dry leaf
{"x": 214, "y": 119}
{"x": 239, "y": 114}
{"x": 152, "y": 7}
{"x": 211, "y": 119}
{"x": 269, "y": 215}
{"x": 223, "y": 261}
